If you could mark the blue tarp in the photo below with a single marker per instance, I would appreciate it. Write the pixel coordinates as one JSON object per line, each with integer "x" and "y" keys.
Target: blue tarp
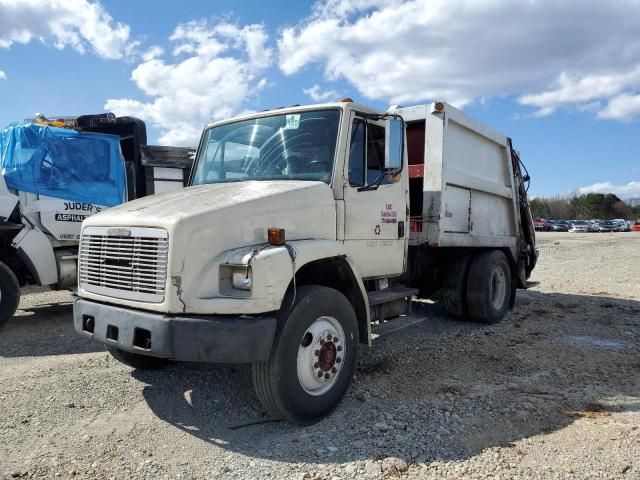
{"x": 63, "y": 163}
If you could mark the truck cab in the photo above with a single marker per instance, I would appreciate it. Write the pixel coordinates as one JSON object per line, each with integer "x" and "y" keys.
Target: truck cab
{"x": 295, "y": 234}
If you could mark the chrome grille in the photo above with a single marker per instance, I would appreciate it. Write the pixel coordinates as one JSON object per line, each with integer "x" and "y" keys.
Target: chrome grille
{"x": 128, "y": 263}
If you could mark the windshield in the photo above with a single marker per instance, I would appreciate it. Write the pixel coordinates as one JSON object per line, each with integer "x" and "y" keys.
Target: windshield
{"x": 298, "y": 146}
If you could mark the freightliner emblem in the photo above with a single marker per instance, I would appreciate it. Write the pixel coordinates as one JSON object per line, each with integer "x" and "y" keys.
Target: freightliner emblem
{"x": 119, "y": 232}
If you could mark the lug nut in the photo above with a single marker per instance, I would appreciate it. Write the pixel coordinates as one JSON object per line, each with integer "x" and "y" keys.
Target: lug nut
{"x": 316, "y": 365}
{"x": 338, "y": 360}
{"x": 322, "y": 341}
{"x": 317, "y": 353}
{"x": 320, "y": 374}
{"x": 326, "y": 376}
{"x": 339, "y": 348}
{"x": 333, "y": 370}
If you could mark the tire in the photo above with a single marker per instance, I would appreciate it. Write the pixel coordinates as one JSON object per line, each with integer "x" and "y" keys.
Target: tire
{"x": 137, "y": 361}
{"x": 317, "y": 335}
{"x": 489, "y": 287}
{"x": 454, "y": 288}
{"x": 9, "y": 293}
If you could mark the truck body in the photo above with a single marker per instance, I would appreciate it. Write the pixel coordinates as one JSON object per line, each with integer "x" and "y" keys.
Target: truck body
{"x": 300, "y": 229}
{"x": 56, "y": 173}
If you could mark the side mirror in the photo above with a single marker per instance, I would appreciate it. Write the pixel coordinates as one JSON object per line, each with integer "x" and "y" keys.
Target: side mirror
{"x": 394, "y": 144}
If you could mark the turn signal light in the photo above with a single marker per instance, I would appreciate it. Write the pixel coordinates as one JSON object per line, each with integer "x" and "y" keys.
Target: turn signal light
{"x": 346, "y": 100}
{"x": 275, "y": 236}
{"x": 439, "y": 106}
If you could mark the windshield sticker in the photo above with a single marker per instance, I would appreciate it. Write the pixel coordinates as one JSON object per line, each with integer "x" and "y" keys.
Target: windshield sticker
{"x": 292, "y": 122}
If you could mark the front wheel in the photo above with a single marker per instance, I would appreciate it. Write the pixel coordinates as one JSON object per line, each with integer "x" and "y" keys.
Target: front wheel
{"x": 9, "y": 294}
{"x": 313, "y": 357}
{"x": 137, "y": 361}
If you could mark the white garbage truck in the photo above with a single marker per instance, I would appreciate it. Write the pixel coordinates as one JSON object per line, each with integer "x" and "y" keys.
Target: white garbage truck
{"x": 54, "y": 173}
{"x": 301, "y": 228}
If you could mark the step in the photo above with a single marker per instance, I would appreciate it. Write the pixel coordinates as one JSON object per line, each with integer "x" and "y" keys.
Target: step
{"x": 390, "y": 294}
{"x": 388, "y": 327}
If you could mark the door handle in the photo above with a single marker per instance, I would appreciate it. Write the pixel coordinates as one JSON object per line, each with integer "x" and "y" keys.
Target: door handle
{"x": 401, "y": 229}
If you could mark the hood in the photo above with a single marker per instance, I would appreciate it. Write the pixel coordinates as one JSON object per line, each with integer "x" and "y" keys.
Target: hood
{"x": 168, "y": 209}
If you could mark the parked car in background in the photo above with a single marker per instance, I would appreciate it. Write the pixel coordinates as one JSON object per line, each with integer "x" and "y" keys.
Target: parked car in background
{"x": 594, "y": 225}
{"x": 622, "y": 224}
{"x": 608, "y": 226}
{"x": 560, "y": 226}
{"x": 542, "y": 225}
{"x": 636, "y": 226}
{"x": 579, "y": 226}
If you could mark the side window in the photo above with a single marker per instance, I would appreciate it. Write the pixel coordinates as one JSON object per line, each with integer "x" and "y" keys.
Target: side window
{"x": 366, "y": 154}
{"x": 356, "y": 154}
{"x": 375, "y": 154}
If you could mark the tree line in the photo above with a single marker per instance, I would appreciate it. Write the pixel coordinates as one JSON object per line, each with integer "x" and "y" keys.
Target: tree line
{"x": 603, "y": 206}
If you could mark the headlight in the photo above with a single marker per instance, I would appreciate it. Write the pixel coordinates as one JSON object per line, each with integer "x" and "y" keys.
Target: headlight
{"x": 241, "y": 278}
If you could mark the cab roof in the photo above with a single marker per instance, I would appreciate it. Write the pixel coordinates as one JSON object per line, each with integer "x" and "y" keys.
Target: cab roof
{"x": 299, "y": 108}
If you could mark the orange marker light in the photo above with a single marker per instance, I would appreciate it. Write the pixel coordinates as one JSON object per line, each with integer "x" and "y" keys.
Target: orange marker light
{"x": 275, "y": 236}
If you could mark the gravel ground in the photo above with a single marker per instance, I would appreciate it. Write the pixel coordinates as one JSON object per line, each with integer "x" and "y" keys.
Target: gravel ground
{"x": 551, "y": 392}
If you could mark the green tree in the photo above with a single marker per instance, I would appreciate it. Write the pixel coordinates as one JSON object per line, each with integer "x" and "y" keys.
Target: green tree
{"x": 591, "y": 205}
{"x": 539, "y": 208}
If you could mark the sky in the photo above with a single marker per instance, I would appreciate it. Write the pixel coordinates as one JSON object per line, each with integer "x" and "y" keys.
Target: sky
{"x": 560, "y": 77}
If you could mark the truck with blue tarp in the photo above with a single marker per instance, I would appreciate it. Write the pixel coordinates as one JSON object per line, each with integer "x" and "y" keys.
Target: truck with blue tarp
{"x": 56, "y": 173}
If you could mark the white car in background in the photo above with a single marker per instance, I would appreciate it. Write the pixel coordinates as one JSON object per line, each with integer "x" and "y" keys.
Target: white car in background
{"x": 622, "y": 224}
{"x": 579, "y": 226}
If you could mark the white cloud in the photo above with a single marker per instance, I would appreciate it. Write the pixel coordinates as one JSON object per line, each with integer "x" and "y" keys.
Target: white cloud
{"x": 547, "y": 53}
{"x": 152, "y": 52}
{"x": 216, "y": 70}
{"x": 583, "y": 91}
{"x": 79, "y": 24}
{"x": 630, "y": 190}
{"x": 317, "y": 95}
{"x": 624, "y": 107}
{"x": 3, "y": 76}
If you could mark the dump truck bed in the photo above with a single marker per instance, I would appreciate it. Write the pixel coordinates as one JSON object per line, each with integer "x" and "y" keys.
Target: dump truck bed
{"x": 462, "y": 186}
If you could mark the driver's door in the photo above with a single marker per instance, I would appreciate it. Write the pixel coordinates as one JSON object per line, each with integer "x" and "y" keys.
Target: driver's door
{"x": 375, "y": 221}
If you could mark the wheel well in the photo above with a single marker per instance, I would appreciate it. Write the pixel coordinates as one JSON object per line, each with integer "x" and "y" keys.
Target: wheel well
{"x": 336, "y": 273}
{"x": 9, "y": 256}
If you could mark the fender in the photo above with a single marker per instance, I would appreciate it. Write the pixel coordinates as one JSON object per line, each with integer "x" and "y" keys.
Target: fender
{"x": 36, "y": 251}
{"x": 272, "y": 271}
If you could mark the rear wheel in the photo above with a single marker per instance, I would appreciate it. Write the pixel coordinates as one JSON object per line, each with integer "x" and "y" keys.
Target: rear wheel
{"x": 489, "y": 287}
{"x": 9, "y": 294}
{"x": 454, "y": 288}
{"x": 135, "y": 360}
{"x": 313, "y": 357}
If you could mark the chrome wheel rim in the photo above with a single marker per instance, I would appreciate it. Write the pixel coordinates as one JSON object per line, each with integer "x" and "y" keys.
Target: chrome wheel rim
{"x": 321, "y": 355}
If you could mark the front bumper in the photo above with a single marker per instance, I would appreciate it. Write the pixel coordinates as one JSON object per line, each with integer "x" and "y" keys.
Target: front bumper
{"x": 217, "y": 339}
